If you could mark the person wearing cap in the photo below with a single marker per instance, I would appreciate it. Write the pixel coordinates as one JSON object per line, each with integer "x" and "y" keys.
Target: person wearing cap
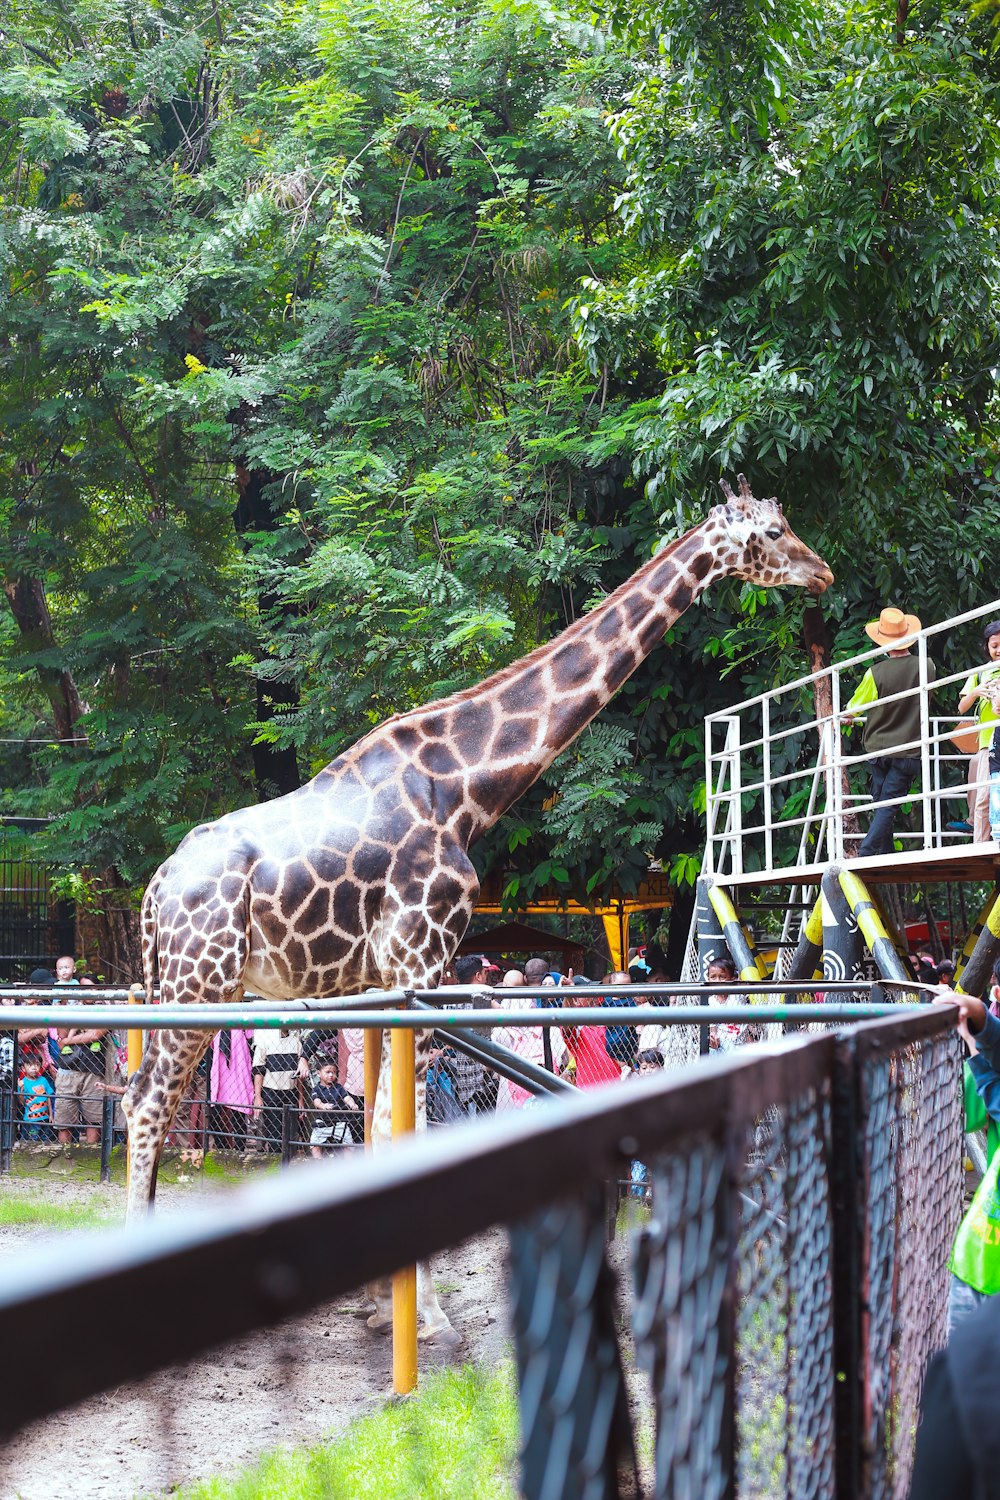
{"x": 892, "y": 730}
{"x": 475, "y": 1086}
{"x": 976, "y": 694}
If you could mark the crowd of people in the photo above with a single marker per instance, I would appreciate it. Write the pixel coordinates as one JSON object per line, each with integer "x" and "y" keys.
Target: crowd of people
{"x": 63, "y": 1075}
{"x": 279, "y": 1091}
{"x": 585, "y": 1055}
{"x": 276, "y": 1090}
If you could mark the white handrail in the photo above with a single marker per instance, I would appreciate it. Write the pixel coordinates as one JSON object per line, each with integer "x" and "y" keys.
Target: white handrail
{"x": 742, "y": 774}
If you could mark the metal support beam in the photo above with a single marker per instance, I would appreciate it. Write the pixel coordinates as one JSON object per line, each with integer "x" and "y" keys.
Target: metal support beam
{"x": 978, "y": 969}
{"x": 841, "y": 939}
{"x": 867, "y": 918}
{"x": 974, "y": 934}
{"x": 738, "y": 940}
{"x": 711, "y": 940}
{"x": 404, "y": 1281}
{"x": 807, "y": 960}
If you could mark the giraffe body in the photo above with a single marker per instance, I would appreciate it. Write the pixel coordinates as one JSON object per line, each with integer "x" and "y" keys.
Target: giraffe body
{"x": 362, "y": 877}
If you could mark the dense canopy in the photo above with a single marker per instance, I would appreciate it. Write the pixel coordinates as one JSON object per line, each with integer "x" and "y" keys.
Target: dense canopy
{"x": 349, "y": 350}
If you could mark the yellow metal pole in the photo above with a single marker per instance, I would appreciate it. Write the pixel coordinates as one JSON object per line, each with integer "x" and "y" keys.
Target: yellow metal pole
{"x": 373, "y": 1058}
{"x": 133, "y": 1057}
{"x": 134, "y": 1039}
{"x": 404, "y": 1282}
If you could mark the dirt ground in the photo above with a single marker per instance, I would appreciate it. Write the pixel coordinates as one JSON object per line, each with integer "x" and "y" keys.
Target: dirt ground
{"x": 292, "y": 1386}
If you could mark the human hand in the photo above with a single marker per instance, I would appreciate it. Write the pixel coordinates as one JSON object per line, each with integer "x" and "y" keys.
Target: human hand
{"x": 302, "y": 1068}
{"x": 971, "y": 1016}
{"x": 566, "y": 978}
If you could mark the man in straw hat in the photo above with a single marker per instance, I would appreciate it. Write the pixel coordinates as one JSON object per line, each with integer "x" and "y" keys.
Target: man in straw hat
{"x": 892, "y": 730}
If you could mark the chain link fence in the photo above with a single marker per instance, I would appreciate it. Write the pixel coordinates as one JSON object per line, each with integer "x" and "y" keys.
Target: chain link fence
{"x": 780, "y": 1293}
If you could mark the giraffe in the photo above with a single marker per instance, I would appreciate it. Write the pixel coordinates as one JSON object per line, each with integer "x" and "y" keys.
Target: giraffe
{"x": 362, "y": 878}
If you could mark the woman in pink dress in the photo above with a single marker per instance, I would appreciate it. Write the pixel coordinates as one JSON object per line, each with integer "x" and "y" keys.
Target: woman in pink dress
{"x": 232, "y": 1088}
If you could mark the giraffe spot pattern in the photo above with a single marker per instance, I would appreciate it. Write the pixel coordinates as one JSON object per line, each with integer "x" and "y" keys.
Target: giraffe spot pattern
{"x": 362, "y": 877}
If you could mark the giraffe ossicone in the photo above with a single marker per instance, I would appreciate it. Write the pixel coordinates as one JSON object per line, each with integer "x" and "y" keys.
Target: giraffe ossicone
{"x": 362, "y": 877}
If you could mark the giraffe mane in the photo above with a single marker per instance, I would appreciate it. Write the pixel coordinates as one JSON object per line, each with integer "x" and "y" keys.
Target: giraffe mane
{"x": 516, "y": 667}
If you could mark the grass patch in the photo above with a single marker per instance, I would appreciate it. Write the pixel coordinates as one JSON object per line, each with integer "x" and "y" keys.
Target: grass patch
{"x": 455, "y": 1440}
{"x": 19, "y": 1212}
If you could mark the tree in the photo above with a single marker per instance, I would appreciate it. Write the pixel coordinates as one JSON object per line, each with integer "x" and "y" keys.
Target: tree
{"x": 353, "y": 350}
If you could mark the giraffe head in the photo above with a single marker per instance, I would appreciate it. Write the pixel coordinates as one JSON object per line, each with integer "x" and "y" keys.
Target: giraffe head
{"x": 767, "y": 551}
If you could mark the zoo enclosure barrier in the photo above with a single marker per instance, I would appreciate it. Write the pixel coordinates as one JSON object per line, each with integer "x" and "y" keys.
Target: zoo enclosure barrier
{"x": 781, "y": 784}
{"x": 785, "y": 1294}
{"x": 591, "y": 1044}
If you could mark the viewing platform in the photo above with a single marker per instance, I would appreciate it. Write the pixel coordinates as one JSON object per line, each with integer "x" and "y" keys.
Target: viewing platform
{"x": 787, "y": 777}
{"x": 788, "y": 804}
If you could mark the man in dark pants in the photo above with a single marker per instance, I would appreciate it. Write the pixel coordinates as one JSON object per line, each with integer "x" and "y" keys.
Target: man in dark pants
{"x": 888, "y": 726}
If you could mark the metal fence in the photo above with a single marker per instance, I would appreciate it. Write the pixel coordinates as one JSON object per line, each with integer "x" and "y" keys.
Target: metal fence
{"x": 784, "y": 1295}
{"x": 302, "y": 1091}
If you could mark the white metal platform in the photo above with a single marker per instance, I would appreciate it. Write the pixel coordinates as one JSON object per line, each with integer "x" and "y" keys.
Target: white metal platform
{"x": 787, "y": 790}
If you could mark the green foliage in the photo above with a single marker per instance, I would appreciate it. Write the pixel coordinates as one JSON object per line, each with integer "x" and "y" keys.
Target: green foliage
{"x": 486, "y": 302}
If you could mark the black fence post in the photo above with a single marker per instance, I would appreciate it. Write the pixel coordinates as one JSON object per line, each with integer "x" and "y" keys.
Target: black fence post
{"x": 8, "y": 1104}
{"x": 287, "y": 1119}
{"x": 6, "y": 1126}
{"x": 846, "y": 1139}
{"x": 107, "y": 1135}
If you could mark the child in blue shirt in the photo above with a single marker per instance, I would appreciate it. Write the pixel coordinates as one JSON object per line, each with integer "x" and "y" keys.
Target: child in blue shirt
{"x": 36, "y": 1101}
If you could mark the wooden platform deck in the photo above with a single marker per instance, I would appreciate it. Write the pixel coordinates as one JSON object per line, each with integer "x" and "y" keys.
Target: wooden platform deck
{"x": 954, "y": 861}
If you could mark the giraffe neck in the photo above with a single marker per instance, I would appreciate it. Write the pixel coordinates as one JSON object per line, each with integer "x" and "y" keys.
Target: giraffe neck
{"x": 510, "y": 728}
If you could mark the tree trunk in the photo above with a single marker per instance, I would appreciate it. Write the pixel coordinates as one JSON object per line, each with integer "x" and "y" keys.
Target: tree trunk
{"x": 680, "y": 924}
{"x": 29, "y": 606}
{"x": 276, "y": 770}
{"x": 817, "y": 644}
{"x": 108, "y": 933}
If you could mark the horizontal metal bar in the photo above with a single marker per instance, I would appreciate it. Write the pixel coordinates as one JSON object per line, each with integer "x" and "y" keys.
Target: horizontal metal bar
{"x": 285, "y": 1246}
{"x": 215, "y": 1018}
{"x": 501, "y": 1059}
{"x": 451, "y": 993}
{"x": 65, "y": 995}
{"x": 921, "y": 1022}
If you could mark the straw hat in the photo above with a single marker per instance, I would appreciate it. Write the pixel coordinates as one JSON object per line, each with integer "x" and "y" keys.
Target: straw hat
{"x": 892, "y": 628}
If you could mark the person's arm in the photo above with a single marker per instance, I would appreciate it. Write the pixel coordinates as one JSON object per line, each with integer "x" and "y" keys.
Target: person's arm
{"x": 982, "y": 1034}
{"x": 984, "y": 1029}
{"x": 309, "y": 1044}
{"x": 970, "y": 692}
{"x": 80, "y": 1038}
{"x": 866, "y": 692}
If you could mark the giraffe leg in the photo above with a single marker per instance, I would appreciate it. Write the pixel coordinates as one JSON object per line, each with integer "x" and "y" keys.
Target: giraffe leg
{"x": 150, "y": 1103}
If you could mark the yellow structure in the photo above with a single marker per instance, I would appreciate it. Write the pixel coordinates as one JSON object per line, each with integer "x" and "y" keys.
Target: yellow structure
{"x": 653, "y": 894}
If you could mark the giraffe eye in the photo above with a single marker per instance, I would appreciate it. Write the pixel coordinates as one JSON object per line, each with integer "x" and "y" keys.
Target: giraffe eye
{"x": 773, "y": 533}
